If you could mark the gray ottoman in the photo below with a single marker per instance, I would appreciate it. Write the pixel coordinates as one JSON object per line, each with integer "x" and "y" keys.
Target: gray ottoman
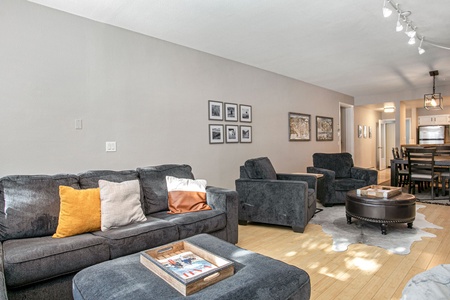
{"x": 256, "y": 277}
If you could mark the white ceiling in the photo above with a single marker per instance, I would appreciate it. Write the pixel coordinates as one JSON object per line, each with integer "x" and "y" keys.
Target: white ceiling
{"x": 346, "y": 46}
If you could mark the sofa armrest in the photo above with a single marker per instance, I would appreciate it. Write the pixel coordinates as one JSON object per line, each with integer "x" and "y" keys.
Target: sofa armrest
{"x": 368, "y": 175}
{"x": 3, "y": 293}
{"x": 326, "y": 194}
{"x": 273, "y": 201}
{"x": 227, "y": 201}
{"x": 311, "y": 180}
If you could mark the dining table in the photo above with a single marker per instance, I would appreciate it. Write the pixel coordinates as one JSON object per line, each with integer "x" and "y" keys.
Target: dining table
{"x": 442, "y": 161}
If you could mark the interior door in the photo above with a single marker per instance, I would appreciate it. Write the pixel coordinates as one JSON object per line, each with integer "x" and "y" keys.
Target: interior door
{"x": 381, "y": 145}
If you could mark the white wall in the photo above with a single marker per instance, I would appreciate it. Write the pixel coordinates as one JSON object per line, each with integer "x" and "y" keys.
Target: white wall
{"x": 365, "y": 148}
{"x": 149, "y": 96}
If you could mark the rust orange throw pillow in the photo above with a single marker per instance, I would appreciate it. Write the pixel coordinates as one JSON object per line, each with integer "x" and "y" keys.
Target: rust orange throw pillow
{"x": 186, "y": 195}
{"x": 79, "y": 211}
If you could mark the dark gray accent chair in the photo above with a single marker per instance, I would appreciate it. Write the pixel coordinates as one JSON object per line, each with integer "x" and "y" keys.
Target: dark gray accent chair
{"x": 272, "y": 198}
{"x": 340, "y": 176}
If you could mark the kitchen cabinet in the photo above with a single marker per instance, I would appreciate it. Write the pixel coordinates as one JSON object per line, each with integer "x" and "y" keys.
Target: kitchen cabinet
{"x": 434, "y": 120}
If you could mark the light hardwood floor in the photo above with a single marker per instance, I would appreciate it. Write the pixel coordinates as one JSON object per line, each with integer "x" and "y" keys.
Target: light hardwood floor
{"x": 361, "y": 272}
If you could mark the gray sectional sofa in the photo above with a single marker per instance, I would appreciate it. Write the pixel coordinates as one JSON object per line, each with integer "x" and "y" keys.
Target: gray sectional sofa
{"x": 36, "y": 266}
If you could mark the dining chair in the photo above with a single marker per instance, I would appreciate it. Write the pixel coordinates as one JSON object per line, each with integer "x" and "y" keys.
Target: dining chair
{"x": 421, "y": 169}
{"x": 444, "y": 172}
{"x": 402, "y": 169}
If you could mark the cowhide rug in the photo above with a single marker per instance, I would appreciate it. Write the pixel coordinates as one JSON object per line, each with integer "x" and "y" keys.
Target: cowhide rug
{"x": 398, "y": 240}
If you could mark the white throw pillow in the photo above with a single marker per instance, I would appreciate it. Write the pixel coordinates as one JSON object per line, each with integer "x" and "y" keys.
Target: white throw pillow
{"x": 120, "y": 203}
{"x": 186, "y": 195}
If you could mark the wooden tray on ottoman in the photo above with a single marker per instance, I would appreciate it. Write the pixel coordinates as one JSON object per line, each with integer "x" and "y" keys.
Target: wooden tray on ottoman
{"x": 379, "y": 191}
{"x": 186, "y": 267}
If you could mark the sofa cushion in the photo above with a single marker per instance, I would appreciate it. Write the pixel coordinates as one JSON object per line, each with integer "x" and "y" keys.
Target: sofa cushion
{"x": 260, "y": 168}
{"x": 193, "y": 223}
{"x": 153, "y": 181}
{"x": 31, "y": 260}
{"x": 120, "y": 203}
{"x": 79, "y": 212}
{"x": 31, "y": 204}
{"x": 340, "y": 163}
{"x": 186, "y": 195}
{"x": 139, "y": 236}
{"x": 90, "y": 179}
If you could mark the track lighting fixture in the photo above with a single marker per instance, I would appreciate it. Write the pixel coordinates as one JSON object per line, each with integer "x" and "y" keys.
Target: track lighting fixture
{"x": 399, "y": 26}
{"x": 411, "y": 30}
{"x": 421, "y": 50}
{"x": 386, "y": 10}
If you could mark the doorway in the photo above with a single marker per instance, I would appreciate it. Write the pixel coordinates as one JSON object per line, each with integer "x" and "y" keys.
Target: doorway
{"x": 385, "y": 142}
{"x": 345, "y": 128}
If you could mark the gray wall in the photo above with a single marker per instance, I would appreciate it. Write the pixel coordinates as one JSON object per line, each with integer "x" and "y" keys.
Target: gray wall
{"x": 149, "y": 96}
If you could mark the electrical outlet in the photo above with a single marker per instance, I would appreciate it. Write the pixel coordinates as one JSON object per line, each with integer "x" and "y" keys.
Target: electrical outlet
{"x": 110, "y": 146}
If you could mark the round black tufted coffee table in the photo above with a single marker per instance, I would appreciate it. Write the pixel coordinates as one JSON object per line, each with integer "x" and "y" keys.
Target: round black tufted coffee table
{"x": 398, "y": 209}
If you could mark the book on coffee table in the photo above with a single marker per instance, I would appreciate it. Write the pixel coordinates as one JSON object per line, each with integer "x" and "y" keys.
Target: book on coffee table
{"x": 186, "y": 264}
{"x": 186, "y": 267}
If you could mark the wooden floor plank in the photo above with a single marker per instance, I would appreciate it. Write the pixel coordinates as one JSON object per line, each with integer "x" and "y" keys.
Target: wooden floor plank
{"x": 360, "y": 272}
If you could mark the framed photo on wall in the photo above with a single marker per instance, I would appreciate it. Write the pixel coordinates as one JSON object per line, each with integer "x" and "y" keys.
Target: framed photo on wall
{"x": 245, "y": 113}
{"x": 231, "y": 112}
{"x": 324, "y": 128}
{"x": 215, "y": 134}
{"x": 365, "y": 131}
{"x": 299, "y": 127}
{"x": 232, "y": 133}
{"x": 360, "y": 131}
{"x": 215, "y": 110}
{"x": 245, "y": 134}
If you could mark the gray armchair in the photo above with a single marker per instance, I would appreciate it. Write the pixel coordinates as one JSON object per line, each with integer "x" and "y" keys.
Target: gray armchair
{"x": 340, "y": 176}
{"x": 271, "y": 198}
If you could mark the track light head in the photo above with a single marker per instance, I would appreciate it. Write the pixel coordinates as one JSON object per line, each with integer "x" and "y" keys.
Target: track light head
{"x": 420, "y": 49}
{"x": 412, "y": 40}
{"x": 386, "y": 10}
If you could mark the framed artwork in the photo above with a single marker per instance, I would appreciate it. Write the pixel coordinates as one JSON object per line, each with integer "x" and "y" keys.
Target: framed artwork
{"x": 360, "y": 131}
{"x": 245, "y": 113}
{"x": 232, "y": 133}
{"x": 365, "y": 131}
{"x": 324, "y": 128}
{"x": 370, "y": 132}
{"x": 231, "y": 112}
{"x": 245, "y": 134}
{"x": 215, "y": 109}
{"x": 215, "y": 134}
{"x": 299, "y": 127}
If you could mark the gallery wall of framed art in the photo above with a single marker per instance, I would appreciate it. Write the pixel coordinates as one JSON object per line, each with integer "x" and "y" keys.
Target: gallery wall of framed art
{"x": 300, "y": 127}
{"x": 229, "y": 132}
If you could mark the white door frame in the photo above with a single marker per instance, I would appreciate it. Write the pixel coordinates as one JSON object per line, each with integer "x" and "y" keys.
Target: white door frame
{"x": 349, "y": 125}
{"x": 381, "y": 143}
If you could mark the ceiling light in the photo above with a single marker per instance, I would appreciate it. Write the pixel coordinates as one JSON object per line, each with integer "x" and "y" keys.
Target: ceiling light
{"x": 389, "y": 109}
{"x": 399, "y": 26}
{"x": 411, "y": 31}
{"x": 421, "y": 50}
{"x": 433, "y": 101}
{"x": 386, "y": 10}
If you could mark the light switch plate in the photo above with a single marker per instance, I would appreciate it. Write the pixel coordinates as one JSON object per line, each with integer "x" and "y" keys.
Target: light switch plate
{"x": 110, "y": 146}
{"x": 78, "y": 124}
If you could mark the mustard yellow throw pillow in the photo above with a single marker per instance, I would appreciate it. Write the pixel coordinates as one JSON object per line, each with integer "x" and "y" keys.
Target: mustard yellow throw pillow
{"x": 79, "y": 211}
